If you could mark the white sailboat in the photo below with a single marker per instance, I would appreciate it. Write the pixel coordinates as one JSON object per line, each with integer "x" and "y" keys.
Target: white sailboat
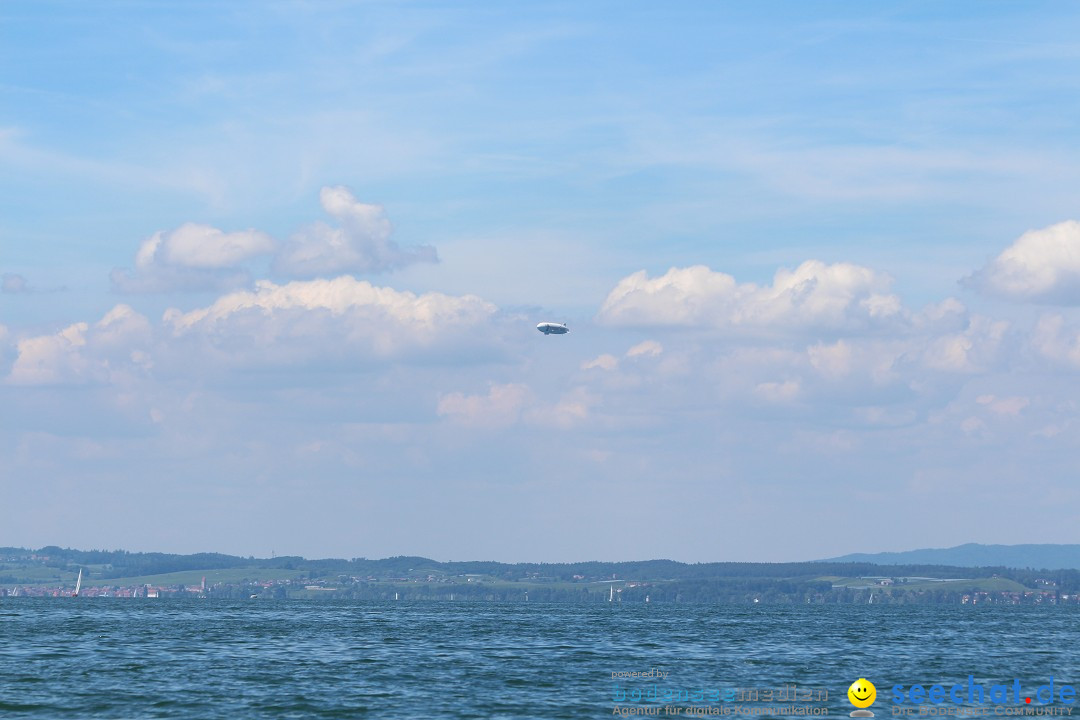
{"x": 78, "y": 584}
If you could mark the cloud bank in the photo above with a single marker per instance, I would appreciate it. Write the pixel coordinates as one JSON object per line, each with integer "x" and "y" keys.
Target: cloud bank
{"x": 691, "y": 380}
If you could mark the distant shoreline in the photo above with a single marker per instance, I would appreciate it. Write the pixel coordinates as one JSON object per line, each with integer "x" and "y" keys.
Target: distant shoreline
{"x": 51, "y": 572}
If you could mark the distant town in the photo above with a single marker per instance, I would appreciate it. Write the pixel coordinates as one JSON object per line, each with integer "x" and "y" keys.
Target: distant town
{"x": 54, "y": 571}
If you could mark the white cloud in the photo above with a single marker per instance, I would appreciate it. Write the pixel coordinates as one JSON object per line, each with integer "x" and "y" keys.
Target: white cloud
{"x": 649, "y": 348}
{"x": 339, "y": 322}
{"x": 571, "y": 410}
{"x": 192, "y": 257}
{"x": 510, "y": 403}
{"x": 832, "y": 361}
{"x": 1053, "y": 340}
{"x": 343, "y": 316}
{"x": 83, "y": 353}
{"x": 201, "y": 257}
{"x": 814, "y": 295}
{"x": 972, "y": 350}
{"x": 1041, "y": 266}
{"x": 361, "y": 243}
{"x": 50, "y": 358}
{"x": 1009, "y": 406}
{"x": 607, "y": 361}
{"x": 201, "y": 246}
{"x": 499, "y": 408}
{"x": 778, "y": 392}
{"x": 948, "y": 312}
{"x": 603, "y": 362}
{"x": 339, "y": 296}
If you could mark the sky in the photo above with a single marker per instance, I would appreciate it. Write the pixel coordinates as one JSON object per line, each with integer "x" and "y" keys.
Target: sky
{"x": 271, "y": 273}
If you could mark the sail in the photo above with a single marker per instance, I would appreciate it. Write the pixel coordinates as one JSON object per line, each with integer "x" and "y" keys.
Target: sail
{"x": 78, "y": 584}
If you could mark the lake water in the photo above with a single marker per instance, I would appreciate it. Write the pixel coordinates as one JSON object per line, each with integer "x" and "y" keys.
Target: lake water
{"x": 117, "y": 658}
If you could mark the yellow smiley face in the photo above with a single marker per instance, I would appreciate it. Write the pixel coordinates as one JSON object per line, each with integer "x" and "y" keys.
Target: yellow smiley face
{"x": 862, "y": 693}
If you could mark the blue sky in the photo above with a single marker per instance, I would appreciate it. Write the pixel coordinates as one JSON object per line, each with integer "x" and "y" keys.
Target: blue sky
{"x": 271, "y": 273}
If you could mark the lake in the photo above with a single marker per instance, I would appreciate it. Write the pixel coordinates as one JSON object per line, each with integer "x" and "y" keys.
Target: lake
{"x": 128, "y": 658}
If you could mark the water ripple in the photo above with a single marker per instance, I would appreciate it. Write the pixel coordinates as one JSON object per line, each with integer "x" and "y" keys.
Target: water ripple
{"x": 111, "y": 657}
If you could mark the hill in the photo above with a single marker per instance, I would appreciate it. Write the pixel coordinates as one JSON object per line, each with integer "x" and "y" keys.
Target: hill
{"x": 1044, "y": 557}
{"x": 52, "y": 572}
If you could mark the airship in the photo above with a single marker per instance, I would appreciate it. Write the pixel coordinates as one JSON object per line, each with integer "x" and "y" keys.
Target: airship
{"x": 550, "y": 328}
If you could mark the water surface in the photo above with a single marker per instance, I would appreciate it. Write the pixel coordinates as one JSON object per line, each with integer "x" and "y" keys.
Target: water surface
{"x": 127, "y": 658}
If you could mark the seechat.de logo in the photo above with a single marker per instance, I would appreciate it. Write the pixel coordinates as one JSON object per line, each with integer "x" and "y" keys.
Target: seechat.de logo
{"x": 862, "y": 694}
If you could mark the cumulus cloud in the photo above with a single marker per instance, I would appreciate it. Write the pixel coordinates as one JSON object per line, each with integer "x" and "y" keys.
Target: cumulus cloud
{"x": 193, "y": 257}
{"x": 1041, "y": 266}
{"x": 201, "y": 257}
{"x": 83, "y": 353}
{"x": 973, "y": 349}
{"x": 343, "y": 316}
{"x": 920, "y": 362}
{"x": 339, "y": 322}
{"x": 201, "y": 246}
{"x": 360, "y": 242}
{"x": 841, "y": 296}
{"x": 339, "y": 296}
{"x": 1054, "y": 340}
